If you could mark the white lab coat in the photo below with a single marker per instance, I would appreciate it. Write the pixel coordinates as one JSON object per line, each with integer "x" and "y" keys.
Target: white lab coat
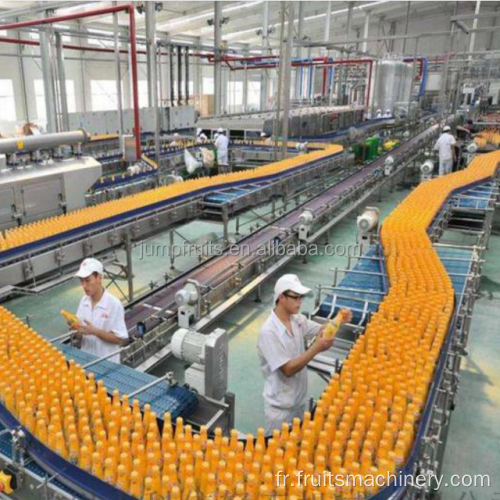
{"x": 108, "y": 315}
{"x": 284, "y": 397}
{"x": 222, "y": 145}
{"x": 444, "y": 145}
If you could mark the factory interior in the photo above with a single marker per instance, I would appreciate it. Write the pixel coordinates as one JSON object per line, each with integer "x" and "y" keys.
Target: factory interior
{"x": 249, "y": 250}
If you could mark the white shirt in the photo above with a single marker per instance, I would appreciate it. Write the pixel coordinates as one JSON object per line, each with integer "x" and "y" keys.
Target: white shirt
{"x": 443, "y": 145}
{"x": 108, "y": 315}
{"x": 276, "y": 347}
{"x": 221, "y": 143}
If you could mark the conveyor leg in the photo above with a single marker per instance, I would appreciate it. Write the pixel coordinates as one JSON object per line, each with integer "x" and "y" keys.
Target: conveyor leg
{"x": 130, "y": 277}
{"x": 237, "y": 226}
{"x": 172, "y": 253}
{"x": 225, "y": 221}
{"x": 258, "y": 296}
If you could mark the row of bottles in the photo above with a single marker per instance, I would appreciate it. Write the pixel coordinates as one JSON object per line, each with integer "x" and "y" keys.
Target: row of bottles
{"x": 55, "y": 225}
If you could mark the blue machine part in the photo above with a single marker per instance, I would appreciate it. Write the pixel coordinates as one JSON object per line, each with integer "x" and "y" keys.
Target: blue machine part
{"x": 177, "y": 400}
{"x": 233, "y": 193}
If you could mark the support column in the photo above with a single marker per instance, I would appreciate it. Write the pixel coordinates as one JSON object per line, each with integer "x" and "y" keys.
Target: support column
{"x": 198, "y": 70}
{"x": 22, "y": 74}
{"x": 118, "y": 73}
{"x": 263, "y": 75}
{"x": 366, "y": 29}
{"x": 474, "y": 26}
{"x": 245, "y": 84}
{"x": 48, "y": 79}
{"x": 151, "y": 51}
{"x": 285, "y": 73}
{"x": 61, "y": 73}
{"x": 298, "y": 52}
{"x": 152, "y": 67}
{"x": 82, "y": 69}
{"x": 407, "y": 22}
{"x": 217, "y": 63}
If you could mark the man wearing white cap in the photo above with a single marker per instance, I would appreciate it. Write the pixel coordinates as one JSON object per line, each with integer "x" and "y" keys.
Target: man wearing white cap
{"x": 222, "y": 144}
{"x": 445, "y": 145}
{"x": 101, "y": 316}
{"x": 282, "y": 353}
{"x": 201, "y": 138}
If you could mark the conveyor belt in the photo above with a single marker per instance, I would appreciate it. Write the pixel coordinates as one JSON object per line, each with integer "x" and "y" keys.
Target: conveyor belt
{"x": 31, "y": 466}
{"x": 226, "y": 195}
{"x": 370, "y": 289}
{"x": 100, "y": 225}
{"x": 220, "y": 268}
{"x": 179, "y": 401}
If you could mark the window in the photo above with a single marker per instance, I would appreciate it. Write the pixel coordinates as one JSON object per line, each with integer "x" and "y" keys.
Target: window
{"x": 98, "y": 41}
{"x": 41, "y": 111}
{"x": 7, "y": 102}
{"x": 71, "y": 95}
{"x": 143, "y": 94}
{"x": 254, "y": 95}
{"x": 208, "y": 86}
{"x": 104, "y": 95}
{"x": 235, "y": 92}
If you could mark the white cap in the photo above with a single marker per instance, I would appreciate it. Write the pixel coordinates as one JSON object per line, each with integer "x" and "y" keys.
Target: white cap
{"x": 176, "y": 134}
{"x": 379, "y": 111}
{"x": 289, "y": 282}
{"x": 263, "y": 134}
{"x": 388, "y": 111}
{"x": 220, "y": 130}
{"x": 446, "y": 129}
{"x": 89, "y": 266}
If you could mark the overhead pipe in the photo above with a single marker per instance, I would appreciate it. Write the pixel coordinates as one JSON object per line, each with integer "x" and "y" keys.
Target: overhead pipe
{"x": 186, "y": 75}
{"x": 179, "y": 76}
{"x": 172, "y": 74}
{"x": 129, "y": 8}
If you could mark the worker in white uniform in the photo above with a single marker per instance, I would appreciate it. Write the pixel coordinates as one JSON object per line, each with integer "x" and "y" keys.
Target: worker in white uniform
{"x": 201, "y": 138}
{"x": 176, "y": 143}
{"x": 101, "y": 316}
{"x": 379, "y": 113}
{"x": 445, "y": 145}
{"x": 282, "y": 353}
{"x": 387, "y": 114}
{"x": 222, "y": 143}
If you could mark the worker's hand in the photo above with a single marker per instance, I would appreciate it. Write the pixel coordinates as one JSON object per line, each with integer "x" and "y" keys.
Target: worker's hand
{"x": 345, "y": 315}
{"x": 321, "y": 343}
{"x": 86, "y": 328}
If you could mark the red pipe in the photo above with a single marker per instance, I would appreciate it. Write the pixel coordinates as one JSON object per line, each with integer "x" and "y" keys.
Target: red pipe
{"x": 325, "y": 75}
{"x": 133, "y": 49}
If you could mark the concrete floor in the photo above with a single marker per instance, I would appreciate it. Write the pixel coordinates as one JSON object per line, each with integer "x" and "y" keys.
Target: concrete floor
{"x": 474, "y": 438}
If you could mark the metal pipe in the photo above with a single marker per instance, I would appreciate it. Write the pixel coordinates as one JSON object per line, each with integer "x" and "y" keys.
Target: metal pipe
{"x": 179, "y": 76}
{"x": 151, "y": 384}
{"x": 23, "y": 83}
{"x": 474, "y": 27}
{"x": 62, "y": 83}
{"x": 217, "y": 54}
{"x": 102, "y": 358}
{"x": 133, "y": 49}
{"x": 44, "y": 141}
{"x": 186, "y": 76}
{"x": 48, "y": 81}
{"x": 118, "y": 72}
{"x": 150, "y": 49}
{"x": 172, "y": 76}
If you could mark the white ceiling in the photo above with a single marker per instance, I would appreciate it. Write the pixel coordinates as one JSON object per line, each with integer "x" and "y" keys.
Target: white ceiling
{"x": 245, "y": 17}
